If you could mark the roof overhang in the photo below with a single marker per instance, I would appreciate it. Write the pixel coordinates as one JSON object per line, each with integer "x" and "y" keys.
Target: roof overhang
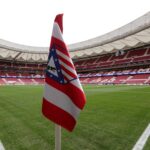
{"x": 134, "y": 34}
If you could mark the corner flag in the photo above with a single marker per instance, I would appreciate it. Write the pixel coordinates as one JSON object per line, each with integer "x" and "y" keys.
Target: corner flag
{"x": 63, "y": 95}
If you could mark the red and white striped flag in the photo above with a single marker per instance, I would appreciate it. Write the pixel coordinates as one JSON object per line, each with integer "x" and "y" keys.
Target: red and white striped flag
{"x": 63, "y": 95}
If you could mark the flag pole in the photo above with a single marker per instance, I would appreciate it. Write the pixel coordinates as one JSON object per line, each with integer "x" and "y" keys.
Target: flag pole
{"x": 57, "y": 137}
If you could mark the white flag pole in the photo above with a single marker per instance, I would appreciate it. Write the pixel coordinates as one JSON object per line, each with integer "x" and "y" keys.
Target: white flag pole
{"x": 57, "y": 137}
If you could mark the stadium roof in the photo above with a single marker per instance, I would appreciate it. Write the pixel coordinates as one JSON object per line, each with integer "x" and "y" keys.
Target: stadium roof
{"x": 134, "y": 34}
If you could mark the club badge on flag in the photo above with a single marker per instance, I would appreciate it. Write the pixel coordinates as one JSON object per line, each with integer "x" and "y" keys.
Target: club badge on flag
{"x": 63, "y": 94}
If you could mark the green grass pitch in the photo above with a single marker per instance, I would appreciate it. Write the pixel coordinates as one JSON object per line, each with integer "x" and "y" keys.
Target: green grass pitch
{"x": 113, "y": 119}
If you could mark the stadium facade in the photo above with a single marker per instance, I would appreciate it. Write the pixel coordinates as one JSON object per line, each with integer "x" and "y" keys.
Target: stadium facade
{"x": 118, "y": 57}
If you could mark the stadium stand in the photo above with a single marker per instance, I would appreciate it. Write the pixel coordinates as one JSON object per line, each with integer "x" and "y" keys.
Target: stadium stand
{"x": 119, "y": 57}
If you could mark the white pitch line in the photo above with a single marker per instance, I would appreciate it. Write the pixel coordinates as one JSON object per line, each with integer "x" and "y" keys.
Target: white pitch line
{"x": 1, "y": 146}
{"x": 142, "y": 140}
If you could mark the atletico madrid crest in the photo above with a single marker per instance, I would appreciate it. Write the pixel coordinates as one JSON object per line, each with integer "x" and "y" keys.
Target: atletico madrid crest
{"x": 53, "y": 67}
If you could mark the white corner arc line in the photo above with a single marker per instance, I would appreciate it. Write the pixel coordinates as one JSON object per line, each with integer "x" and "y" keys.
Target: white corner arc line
{"x": 1, "y": 146}
{"x": 142, "y": 140}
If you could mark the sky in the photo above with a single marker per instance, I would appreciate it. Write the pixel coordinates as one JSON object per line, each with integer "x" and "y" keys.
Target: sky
{"x": 30, "y": 22}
